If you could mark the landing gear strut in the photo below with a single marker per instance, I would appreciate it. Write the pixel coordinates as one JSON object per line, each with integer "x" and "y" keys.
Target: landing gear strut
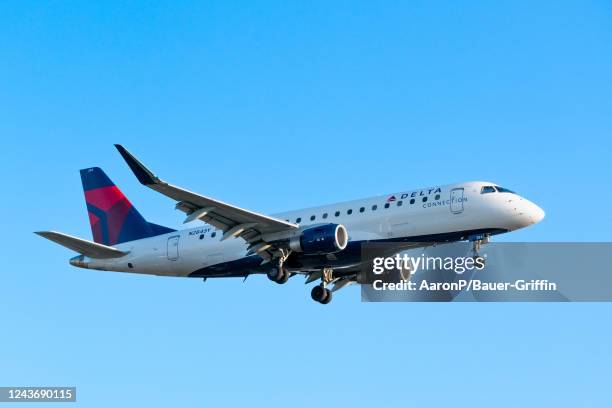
{"x": 477, "y": 242}
{"x": 320, "y": 293}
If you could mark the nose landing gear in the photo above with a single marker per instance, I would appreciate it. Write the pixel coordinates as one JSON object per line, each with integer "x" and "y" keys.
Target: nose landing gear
{"x": 477, "y": 242}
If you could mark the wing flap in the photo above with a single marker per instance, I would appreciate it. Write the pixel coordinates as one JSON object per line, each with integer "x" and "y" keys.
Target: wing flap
{"x": 82, "y": 246}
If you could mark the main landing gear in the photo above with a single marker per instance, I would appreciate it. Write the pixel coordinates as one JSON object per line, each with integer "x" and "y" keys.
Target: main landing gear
{"x": 278, "y": 273}
{"x": 320, "y": 293}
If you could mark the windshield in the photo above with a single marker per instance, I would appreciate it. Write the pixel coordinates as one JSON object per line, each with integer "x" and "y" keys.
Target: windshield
{"x": 495, "y": 189}
{"x": 504, "y": 190}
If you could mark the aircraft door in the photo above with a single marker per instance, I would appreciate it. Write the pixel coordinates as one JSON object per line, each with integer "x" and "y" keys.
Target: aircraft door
{"x": 456, "y": 200}
{"x": 173, "y": 248}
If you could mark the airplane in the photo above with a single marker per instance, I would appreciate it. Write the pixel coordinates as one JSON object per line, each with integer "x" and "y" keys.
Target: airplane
{"x": 321, "y": 243}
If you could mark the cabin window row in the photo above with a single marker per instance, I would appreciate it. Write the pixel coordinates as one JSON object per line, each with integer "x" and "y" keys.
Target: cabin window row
{"x": 363, "y": 209}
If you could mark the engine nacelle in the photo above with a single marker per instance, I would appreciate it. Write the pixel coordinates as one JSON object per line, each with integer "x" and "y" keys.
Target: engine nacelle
{"x": 322, "y": 239}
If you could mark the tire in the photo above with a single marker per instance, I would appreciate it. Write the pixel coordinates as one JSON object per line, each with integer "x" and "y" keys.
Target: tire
{"x": 482, "y": 259}
{"x": 318, "y": 293}
{"x": 279, "y": 276}
{"x": 283, "y": 278}
{"x": 328, "y": 297}
{"x": 273, "y": 274}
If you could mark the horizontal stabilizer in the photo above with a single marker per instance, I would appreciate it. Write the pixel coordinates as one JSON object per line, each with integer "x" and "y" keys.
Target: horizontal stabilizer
{"x": 82, "y": 246}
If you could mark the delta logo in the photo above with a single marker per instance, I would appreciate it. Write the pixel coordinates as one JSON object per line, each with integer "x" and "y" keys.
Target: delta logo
{"x": 415, "y": 194}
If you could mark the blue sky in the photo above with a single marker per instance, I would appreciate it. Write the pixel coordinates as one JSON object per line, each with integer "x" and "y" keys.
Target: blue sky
{"x": 276, "y": 106}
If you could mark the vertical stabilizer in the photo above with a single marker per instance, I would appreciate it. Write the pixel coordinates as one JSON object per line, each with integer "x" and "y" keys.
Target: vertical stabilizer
{"x": 112, "y": 217}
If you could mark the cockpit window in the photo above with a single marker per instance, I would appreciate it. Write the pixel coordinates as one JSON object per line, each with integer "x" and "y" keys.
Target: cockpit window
{"x": 487, "y": 189}
{"x": 504, "y": 190}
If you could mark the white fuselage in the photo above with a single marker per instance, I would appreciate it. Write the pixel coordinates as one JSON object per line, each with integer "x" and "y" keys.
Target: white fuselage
{"x": 451, "y": 212}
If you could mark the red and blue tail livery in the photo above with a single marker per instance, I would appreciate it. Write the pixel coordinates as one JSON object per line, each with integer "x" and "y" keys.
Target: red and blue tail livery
{"x": 112, "y": 217}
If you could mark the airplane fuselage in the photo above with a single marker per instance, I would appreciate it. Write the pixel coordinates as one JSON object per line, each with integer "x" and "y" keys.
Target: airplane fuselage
{"x": 438, "y": 214}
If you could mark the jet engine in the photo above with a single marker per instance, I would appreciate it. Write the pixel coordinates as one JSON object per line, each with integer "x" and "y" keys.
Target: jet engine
{"x": 321, "y": 239}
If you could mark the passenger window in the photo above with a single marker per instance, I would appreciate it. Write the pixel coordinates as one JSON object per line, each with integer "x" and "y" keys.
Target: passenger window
{"x": 387, "y": 205}
{"x": 362, "y": 209}
{"x": 349, "y": 212}
{"x": 487, "y": 189}
{"x": 298, "y": 220}
{"x": 437, "y": 197}
{"x": 312, "y": 218}
{"x": 399, "y": 203}
{"x": 214, "y": 234}
{"x": 324, "y": 215}
{"x": 412, "y": 201}
{"x": 374, "y": 207}
{"x": 424, "y": 199}
{"x": 201, "y": 236}
{"x": 337, "y": 214}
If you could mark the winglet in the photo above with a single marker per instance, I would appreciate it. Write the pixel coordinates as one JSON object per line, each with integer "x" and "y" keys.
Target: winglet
{"x": 144, "y": 175}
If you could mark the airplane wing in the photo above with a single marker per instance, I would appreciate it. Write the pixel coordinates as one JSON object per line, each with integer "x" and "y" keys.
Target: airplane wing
{"x": 82, "y": 246}
{"x": 234, "y": 221}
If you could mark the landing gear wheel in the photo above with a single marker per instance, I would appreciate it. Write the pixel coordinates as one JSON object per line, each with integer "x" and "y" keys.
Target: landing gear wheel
{"x": 480, "y": 260}
{"x": 284, "y": 277}
{"x": 278, "y": 275}
{"x": 328, "y": 297}
{"x": 321, "y": 294}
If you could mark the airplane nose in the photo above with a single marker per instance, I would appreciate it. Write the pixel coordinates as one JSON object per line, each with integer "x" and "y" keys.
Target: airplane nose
{"x": 536, "y": 214}
{"x": 523, "y": 213}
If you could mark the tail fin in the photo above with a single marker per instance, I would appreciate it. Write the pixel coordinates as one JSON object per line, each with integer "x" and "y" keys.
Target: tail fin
{"x": 112, "y": 217}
